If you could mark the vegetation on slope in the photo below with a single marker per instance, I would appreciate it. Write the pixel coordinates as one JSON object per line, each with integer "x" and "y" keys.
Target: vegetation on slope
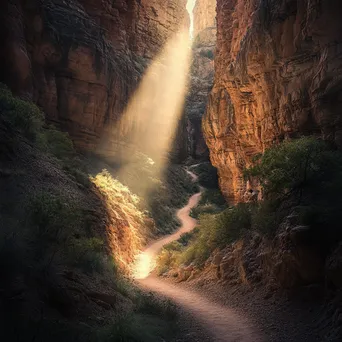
{"x": 161, "y": 192}
{"x": 299, "y": 178}
{"x": 66, "y": 240}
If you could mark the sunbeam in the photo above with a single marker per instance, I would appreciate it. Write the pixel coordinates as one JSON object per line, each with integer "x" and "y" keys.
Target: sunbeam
{"x": 151, "y": 118}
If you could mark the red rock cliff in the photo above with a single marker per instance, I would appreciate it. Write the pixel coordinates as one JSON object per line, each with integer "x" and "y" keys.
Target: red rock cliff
{"x": 278, "y": 75}
{"x": 81, "y": 60}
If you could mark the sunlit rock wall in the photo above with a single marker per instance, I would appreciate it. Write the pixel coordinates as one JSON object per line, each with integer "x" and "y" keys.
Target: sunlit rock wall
{"x": 82, "y": 60}
{"x": 277, "y": 75}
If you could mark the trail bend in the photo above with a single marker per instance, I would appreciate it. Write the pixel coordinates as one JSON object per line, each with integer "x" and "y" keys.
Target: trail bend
{"x": 221, "y": 322}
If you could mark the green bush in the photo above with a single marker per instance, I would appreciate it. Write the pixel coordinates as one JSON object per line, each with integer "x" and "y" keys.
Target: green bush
{"x": 214, "y": 231}
{"x": 305, "y": 176}
{"x": 295, "y": 167}
{"x": 58, "y": 143}
{"x": 21, "y": 115}
{"x": 28, "y": 119}
{"x": 80, "y": 176}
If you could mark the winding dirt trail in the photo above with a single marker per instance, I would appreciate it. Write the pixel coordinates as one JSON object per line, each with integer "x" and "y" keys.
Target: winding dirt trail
{"x": 222, "y": 323}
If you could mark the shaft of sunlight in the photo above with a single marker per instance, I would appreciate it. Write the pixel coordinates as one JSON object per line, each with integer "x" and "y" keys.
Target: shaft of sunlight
{"x": 152, "y": 116}
{"x": 153, "y": 113}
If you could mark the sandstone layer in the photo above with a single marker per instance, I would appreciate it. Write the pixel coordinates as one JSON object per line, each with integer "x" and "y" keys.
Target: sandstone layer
{"x": 80, "y": 61}
{"x": 277, "y": 76}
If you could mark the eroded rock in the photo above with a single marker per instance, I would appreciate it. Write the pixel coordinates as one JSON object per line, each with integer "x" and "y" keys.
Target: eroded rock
{"x": 277, "y": 70}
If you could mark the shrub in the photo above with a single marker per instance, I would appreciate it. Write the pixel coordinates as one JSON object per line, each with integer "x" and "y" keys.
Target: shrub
{"x": 295, "y": 167}
{"x": 204, "y": 209}
{"x": 52, "y": 220}
{"x": 266, "y": 218}
{"x": 58, "y": 143}
{"x": 162, "y": 194}
{"x": 214, "y": 231}
{"x": 304, "y": 175}
{"x": 80, "y": 176}
{"x": 28, "y": 120}
{"x": 21, "y": 115}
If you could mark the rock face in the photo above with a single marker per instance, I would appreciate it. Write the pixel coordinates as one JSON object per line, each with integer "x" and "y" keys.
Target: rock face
{"x": 277, "y": 76}
{"x": 202, "y": 75}
{"x": 81, "y": 60}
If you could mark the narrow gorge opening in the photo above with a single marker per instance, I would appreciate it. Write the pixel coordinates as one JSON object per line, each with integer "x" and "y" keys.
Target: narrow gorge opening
{"x": 190, "y": 8}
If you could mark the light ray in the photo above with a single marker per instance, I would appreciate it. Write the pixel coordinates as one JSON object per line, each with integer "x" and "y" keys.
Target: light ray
{"x": 151, "y": 119}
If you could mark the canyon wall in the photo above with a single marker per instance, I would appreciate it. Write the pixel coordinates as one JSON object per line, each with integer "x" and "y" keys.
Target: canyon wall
{"x": 202, "y": 75}
{"x": 278, "y": 71}
{"x": 80, "y": 61}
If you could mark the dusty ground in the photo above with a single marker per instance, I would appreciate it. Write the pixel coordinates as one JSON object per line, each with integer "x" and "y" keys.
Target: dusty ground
{"x": 276, "y": 319}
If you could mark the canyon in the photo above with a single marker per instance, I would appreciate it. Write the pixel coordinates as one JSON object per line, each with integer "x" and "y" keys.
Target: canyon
{"x": 276, "y": 72}
{"x": 88, "y": 89}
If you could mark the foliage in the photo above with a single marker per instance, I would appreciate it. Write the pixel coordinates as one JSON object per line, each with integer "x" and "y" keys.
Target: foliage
{"x": 212, "y": 196}
{"x": 125, "y": 215}
{"x": 214, "y": 231}
{"x": 295, "y": 167}
{"x": 50, "y": 238}
{"x": 211, "y": 202}
{"x": 27, "y": 120}
{"x": 302, "y": 175}
{"x": 138, "y": 328}
{"x": 58, "y": 143}
{"x": 161, "y": 194}
{"x": 20, "y": 115}
{"x": 173, "y": 192}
